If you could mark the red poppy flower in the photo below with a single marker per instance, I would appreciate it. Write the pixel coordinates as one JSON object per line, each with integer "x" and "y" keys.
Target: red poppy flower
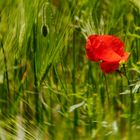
{"x": 106, "y": 49}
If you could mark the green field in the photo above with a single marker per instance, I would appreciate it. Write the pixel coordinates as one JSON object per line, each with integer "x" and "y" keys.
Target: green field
{"x": 49, "y": 90}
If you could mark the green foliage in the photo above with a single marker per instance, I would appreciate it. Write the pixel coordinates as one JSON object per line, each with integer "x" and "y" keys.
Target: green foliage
{"x": 48, "y": 89}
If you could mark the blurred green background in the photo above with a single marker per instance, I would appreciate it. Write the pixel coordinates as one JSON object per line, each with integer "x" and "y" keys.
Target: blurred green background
{"x": 48, "y": 88}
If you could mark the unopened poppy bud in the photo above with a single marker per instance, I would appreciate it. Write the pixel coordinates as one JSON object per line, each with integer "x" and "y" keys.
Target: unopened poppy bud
{"x": 44, "y": 30}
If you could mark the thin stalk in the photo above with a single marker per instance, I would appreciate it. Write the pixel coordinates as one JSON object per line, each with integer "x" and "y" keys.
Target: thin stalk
{"x": 106, "y": 85}
{"x": 92, "y": 125}
{"x": 64, "y": 105}
{"x": 131, "y": 103}
{"x": 75, "y": 122}
{"x": 15, "y": 75}
{"x": 130, "y": 88}
{"x": 51, "y": 128}
{"x": 6, "y": 75}
{"x": 35, "y": 74}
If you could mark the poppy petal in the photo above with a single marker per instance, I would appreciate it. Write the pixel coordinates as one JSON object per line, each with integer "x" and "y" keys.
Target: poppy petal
{"x": 105, "y": 53}
{"x": 107, "y": 49}
{"x": 113, "y": 43}
{"x": 89, "y": 48}
{"x": 126, "y": 56}
{"x": 108, "y": 67}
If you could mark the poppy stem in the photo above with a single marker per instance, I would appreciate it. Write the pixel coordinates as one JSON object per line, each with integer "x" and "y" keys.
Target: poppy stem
{"x": 131, "y": 100}
{"x": 106, "y": 85}
{"x": 130, "y": 88}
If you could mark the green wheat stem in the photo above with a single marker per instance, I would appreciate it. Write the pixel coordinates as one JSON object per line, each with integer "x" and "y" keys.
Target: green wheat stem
{"x": 75, "y": 122}
{"x": 35, "y": 73}
{"x": 6, "y": 75}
